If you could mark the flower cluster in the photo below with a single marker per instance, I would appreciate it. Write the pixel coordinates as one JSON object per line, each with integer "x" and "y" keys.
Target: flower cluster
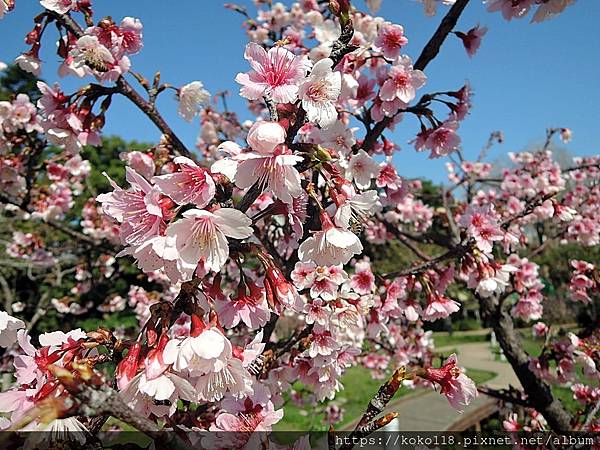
{"x": 293, "y": 249}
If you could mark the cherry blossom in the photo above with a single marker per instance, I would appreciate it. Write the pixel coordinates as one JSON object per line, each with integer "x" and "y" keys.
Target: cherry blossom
{"x": 93, "y": 57}
{"x": 209, "y": 358}
{"x": 402, "y": 82}
{"x": 29, "y": 62}
{"x": 330, "y": 246}
{"x": 472, "y": 39}
{"x": 249, "y": 305}
{"x": 59, "y": 6}
{"x": 390, "y": 40}
{"x": 272, "y": 165}
{"x": 277, "y": 73}
{"x": 455, "y": 385}
{"x": 285, "y": 247}
{"x": 8, "y": 329}
{"x": 192, "y": 184}
{"x": 138, "y": 209}
{"x": 362, "y": 169}
{"x": 319, "y": 92}
{"x": 191, "y": 97}
{"x": 510, "y": 9}
{"x": 202, "y": 235}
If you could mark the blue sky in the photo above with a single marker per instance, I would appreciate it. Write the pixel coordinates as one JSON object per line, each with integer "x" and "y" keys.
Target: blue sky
{"x": 526, "y": 77}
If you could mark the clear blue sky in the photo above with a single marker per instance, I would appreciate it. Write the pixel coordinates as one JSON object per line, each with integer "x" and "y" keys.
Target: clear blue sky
{"x": 526, "y": 77}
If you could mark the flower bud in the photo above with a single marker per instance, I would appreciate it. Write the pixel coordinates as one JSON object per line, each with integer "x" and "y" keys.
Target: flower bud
{"x": 128, "y": 366}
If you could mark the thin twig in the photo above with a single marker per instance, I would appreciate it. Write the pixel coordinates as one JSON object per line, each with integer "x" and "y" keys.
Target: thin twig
{"x": 427, "y": 55}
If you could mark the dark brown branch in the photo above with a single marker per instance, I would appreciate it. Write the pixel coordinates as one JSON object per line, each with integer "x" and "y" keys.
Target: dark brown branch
{"x": 272, "y": 107}
{"x": 505, "y": 395}
{"x": 429, "y": 52}
{"x": 531, "y": 206}
{"x": 294, "y": 339}
{"x": 125, "y": 89}
{"x": 103, "y": 245}
{"x": 538, "y": 392}
{"x": 366, "y": 425}
{"x": 435, "y": 43}
{"x": 406, "y": 241}
{"x": 106, "y": 402}
{"x": 455, "y": 252}
{"x": 341, "y": 47}
{"x": 249, "y": 197}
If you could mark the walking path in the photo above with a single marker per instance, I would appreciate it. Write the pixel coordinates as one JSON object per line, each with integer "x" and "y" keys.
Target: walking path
{"x": 430, "y": 411}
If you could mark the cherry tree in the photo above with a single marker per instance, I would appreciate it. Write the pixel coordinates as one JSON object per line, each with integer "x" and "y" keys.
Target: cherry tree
{"x": 257, "y": 247}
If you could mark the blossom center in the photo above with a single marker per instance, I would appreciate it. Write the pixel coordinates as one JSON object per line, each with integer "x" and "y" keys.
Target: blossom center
{"x": 317, "y": 92}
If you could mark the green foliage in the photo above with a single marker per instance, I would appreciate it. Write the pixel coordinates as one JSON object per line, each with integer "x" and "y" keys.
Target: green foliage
{"x": 558, "y": 259}
{"x": 14, "y": 81}
{"x": 442, "y": 339}
{"x": 431, "y": 194}
{"x": 104, "y": 159}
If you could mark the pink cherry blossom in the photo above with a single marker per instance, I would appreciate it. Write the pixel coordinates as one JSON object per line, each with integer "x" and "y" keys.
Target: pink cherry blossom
{"x": 277, "y": 73}
{"x": 443, "y": 140}
{"x": 303, "y": 274}
{"x": 59, "y": 6}
{"x": 439, "y": 307}
{"x": 510, "y": 8}
{"x": 550, "y": 9}
{"x": 141, "y": 162}
{"x": 275, "y": 173}
{"x": 402, "y": 82}
{"x": 472, "y": 39}
{"x": 208, "y": 356}
{"x": 94, "y": 58}
{"x": 319, "y": 93}
{"x": 390, "y": 40}
{"x": 9, "y": 326}
{"x": 280, "y": 292}
{"x": 363, "y": 280}
{"x": 459, "y": 389}
{"x": 191, "y": 184}
{"x": 125, "y": 38}
{"x": 355, "y": 208}
{"x": 192, "y": 96}
{"x": 362, "y": 168}
{"x": 202, "y": 235}
{"x": 271, "y": 164}
{"x": 540, "y": 329}
{"x": 138, "y": 209}
{"x": 330, "y": 246}
{"x": 265, "y": 137}
{"x": 249, "y": 306}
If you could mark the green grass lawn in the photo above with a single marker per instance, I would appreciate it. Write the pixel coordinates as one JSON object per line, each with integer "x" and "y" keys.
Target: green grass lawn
{"x": 360, "y": 387}
{"x": 444, "y": 339}
{"x": 480, "y": 376}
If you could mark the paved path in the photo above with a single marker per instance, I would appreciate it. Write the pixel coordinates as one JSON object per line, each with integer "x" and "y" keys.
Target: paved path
{"x": 430, "y": 411}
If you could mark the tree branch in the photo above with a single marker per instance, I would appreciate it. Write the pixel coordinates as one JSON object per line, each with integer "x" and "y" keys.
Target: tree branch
{"x": 103, "y": 245}
{"x": 455, "y": 252}
{"x": 448, "y": 23}
{"x": 105, "y": 401}
{"x": 376, "y": 406}
{"x": 429, "y": 52}
{"x": 125, "y": 89}
{"x": 538, "y": 392}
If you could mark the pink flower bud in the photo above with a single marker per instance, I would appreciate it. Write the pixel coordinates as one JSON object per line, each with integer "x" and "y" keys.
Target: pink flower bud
{"x": 264, "y": 137}
{"x": 154, "y": 363}
{"x": 128, "y": 366}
